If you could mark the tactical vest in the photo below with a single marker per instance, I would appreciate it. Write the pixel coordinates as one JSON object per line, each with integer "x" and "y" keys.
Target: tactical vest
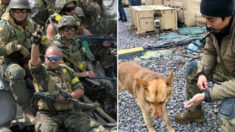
{"x": 23, "y": 38}
{"x": 76, "y": 53}
{"x": 55, "y": 83}
{"x": 17, "y": 37}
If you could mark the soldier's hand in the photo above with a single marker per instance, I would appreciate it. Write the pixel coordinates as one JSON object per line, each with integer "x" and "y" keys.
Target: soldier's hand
{"x": 202, "y": 82}
{"x": 37, "y": 35}
{"x": 24, "y": 51}
{"x": 61, "y": 99}
{"x": 197, "y": 99}
{"x": 106, "y": 44}
{"x": 91, "y": 74}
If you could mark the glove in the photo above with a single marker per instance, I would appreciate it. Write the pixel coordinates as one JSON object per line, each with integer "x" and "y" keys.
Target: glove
{"x": 24, "y": 51}
{"x": 36, "y": 39}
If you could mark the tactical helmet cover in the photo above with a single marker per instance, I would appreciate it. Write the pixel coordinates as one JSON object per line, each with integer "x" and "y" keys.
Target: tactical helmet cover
{"x": 67, "y": 21}
{"x": 61, "y": 3}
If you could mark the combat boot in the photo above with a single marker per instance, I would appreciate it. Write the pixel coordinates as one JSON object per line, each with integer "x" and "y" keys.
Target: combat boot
{"x": 28, "y": 115}
{"x": 196, "y": 115}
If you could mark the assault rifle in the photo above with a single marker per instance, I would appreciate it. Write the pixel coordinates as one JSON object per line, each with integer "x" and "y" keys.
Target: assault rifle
{"x": 68, "y": 97}
{"x": 182, "y": 42}
{"x": 98, "y": 39}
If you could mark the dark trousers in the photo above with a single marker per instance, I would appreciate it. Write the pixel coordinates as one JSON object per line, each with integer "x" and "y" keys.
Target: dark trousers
{"x": 121, "y": 11}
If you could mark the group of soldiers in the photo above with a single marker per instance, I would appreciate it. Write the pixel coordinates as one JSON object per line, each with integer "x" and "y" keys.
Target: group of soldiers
{"x": 27, "y": 33}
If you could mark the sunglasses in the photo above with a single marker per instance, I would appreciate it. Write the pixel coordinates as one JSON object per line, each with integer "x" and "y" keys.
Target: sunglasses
{"x": 54, "y": 58}
{"x": 66, "y": 29}
{"x": 21, "y": 10}
{"x": 69, "y": 9}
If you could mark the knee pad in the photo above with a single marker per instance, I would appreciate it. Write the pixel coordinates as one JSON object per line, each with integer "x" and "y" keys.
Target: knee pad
{"x": 17, "y": 73}
{"x": 191, "y": 67}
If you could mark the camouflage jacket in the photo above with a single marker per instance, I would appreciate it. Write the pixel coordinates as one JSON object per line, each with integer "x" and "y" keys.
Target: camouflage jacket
{"x": 12, "y": 35}
{"x": 211, "y": 59}
{"x": 2, "y": 8}
{"x": 75, "y": 52}
{"x": 52, "y": 81}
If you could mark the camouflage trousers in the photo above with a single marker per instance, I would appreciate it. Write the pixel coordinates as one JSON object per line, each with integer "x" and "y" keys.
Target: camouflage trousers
{"x": 72, "y": 121}
{"x": 227, "y": 125}
{"x": 217, "y": 75}
{"x": 105, "y": 94}
{"x": 14, "y": 74}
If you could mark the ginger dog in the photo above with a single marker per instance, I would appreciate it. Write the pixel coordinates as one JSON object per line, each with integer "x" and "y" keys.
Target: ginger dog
{"x": 150, "y": 89}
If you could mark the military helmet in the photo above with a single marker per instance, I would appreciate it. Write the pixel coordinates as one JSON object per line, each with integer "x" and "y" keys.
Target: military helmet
{"x": 67, "y": 21}
{"x": 59, "y": 4}
{"x": 19, "y": 4}
{"x": 79, "y": 12}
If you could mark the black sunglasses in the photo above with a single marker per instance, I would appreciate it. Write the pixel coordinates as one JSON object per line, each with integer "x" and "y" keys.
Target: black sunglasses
{"x": 69, "y": 28}
{"x": 69, "y": 9}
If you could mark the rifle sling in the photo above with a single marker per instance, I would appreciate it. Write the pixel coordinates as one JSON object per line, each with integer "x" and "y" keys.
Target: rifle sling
{"x": 72, "y": 61}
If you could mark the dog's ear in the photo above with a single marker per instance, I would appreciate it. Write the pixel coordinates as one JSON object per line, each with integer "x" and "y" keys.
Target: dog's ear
{"x": 169, "y": 79}
{"x": 141, "y": 82}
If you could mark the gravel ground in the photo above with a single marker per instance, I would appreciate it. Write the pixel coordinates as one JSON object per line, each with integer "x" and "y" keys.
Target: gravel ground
{"x": 129, "y": 114}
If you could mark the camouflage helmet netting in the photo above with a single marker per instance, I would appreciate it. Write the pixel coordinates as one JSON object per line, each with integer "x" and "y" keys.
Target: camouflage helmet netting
{"x": 67, "y": 21}
{"x": 61, "y": 3}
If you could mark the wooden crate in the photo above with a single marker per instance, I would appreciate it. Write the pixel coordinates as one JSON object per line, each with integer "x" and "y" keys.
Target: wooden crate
{"x": 125, "y": 2}
{"x": 142, "y": 19}
{"x": 169, "y": 17}
{"x": 192, "y": 14}
{"x": 153, "y": 2}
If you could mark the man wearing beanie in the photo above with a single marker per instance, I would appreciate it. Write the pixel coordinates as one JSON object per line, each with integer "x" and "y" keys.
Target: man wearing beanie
{"x": 217, "y": 65}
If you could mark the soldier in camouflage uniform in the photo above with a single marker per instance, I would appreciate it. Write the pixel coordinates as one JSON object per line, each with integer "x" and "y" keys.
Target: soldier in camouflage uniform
{"x": 50, "y": 78}
{"x": 105, "y": 93}
{"x": 63, "y": 7}
{"x": 96, "y": 24}
{"x": 3, "y": 6}
{"x": 41, "y": 10}
{"x": 15, "y": 33}
{"x": 217, "y": 64}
